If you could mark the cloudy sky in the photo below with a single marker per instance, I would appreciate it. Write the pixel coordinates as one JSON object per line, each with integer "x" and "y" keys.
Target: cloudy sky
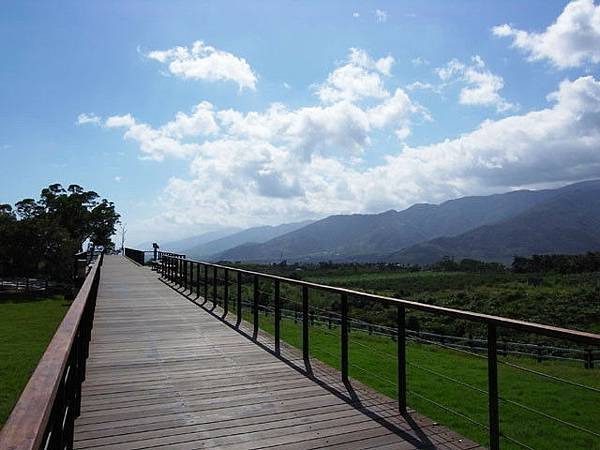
{"x": 194, "y": 115}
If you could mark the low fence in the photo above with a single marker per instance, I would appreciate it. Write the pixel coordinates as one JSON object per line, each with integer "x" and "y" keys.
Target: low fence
{"x": 538, "y": 352}
{"x": 16, "y": 286}
{"x": 45, "y": 413}
{"x": 206, "y": 279}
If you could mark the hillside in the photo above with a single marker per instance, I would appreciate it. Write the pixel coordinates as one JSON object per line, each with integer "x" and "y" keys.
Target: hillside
{"x": 183, "y": 245}
{"x": 250, "y": 235}
{"x": 364, "y": 237}
{"x": 568, "y": 223}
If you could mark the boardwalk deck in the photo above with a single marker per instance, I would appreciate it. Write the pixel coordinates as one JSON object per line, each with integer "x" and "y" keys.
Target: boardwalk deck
{"x": 165, "y": 373}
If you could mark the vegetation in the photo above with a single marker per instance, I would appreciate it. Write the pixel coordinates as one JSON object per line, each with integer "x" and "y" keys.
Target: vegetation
{"x": 567, "y": 300}
{"x": 589, "y": 262}
{"x": 26, "y": 327}
{"x": 39, "y": 238}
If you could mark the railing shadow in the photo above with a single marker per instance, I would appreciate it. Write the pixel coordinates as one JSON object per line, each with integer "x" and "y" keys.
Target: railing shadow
{"x": 378, "y": 408}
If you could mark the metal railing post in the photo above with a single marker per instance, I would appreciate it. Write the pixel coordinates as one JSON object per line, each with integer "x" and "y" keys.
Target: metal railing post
{"x": 494, "y": 419}
{"x": 225, "y": 292}
{"x": 205, "y": 283}
{"x": 188, "y": 274}
{"x": 185, "y": 274}
{"x": 239, "y": 299}
{"x": 277, "y": 317}
{"x": 255, "y": 307}
{"x": 401, "y": 358}
{"x": 305, "y": 318}
{"x": 344, "y": 336}
{"x": 215, "y": 281}
{"x": 197, "y": 280}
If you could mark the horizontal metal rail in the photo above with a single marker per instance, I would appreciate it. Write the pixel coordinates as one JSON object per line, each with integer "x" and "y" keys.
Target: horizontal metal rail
{"x": 46, "y": 410}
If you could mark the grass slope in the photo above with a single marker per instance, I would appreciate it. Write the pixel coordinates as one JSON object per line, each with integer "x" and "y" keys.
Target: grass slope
{"x": 26, "y": 327}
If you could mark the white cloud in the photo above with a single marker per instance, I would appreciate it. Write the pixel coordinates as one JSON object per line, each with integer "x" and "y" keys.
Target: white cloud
{"x": 247, "y": 181}
{"x": 419, "y": 85}
{"x": 355, "y": 14}
{"x": 126, "y": 120}
{"x": 118, "y": 179}
{"x": 481, "y": 86}
{"x": 167, "y": 140}
{"x": 358, "y": 78}
{"x": 203, "y": 62}
{"x": 286, "y": 85}
{"x": 571, "y": 41}
{"x": 381, "y": 15}
{"x": 419, "y": 61}
{"x": 84, "y": 118}
{"x": 283, "y": 164}
{"x": 200, "y": 122}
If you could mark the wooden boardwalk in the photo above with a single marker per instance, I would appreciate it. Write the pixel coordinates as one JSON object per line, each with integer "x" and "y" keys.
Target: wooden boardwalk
{"x": 165, "y": 373}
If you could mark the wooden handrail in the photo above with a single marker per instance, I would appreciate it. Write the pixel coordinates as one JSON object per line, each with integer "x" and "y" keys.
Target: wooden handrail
{"x": 29, "y": 425}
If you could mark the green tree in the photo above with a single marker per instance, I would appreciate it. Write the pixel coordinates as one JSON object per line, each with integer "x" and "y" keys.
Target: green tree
{"x": 41, "y": 237}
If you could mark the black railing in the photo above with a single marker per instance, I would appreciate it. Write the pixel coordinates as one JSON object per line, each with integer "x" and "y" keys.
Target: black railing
{"x": 139, "y": 256}
{"x": 144, "y": 257}
{"x": 195, "y": 276}
{"x": 46, "y": 411}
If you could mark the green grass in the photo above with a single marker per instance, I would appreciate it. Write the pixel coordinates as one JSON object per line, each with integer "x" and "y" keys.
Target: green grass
{"x": 26, "y": 327}
{"x": 373, "y": 362}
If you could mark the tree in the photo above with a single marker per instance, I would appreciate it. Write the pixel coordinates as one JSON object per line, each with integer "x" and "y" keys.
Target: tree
{"x": 41, "y": 237}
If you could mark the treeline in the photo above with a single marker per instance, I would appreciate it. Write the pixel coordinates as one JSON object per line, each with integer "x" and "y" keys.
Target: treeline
{"x": 588, "y": 262}
{"x": 39, "y": 238}
{"x": 445, "y": 265}
{"x": 466, "y": 265}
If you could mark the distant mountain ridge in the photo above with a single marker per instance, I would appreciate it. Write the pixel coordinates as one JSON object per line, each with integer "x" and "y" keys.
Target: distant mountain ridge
{"x": 568, "y": 223}
{"x": 425, "y": 231}
{"x": 250, "y": 235}
{"x": 183, "y": 245}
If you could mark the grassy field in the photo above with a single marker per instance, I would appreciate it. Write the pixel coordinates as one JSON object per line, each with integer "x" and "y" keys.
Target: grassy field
{"x": 430, "y": 368}
{"x": 26, "y": 327}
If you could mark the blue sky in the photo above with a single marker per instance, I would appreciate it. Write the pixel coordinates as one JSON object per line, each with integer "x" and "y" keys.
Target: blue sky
{"x": 379, "y": 105}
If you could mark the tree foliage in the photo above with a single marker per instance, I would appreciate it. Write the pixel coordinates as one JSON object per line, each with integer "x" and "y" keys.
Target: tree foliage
{"x": 588, "y": 262}
{"x": 40, "y": 237}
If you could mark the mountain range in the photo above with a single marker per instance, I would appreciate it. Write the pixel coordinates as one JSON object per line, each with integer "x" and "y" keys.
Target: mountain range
{"x": 184, "y": 245}
{"x": 254, "y": 235}
{"x": 493, "y": 228}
